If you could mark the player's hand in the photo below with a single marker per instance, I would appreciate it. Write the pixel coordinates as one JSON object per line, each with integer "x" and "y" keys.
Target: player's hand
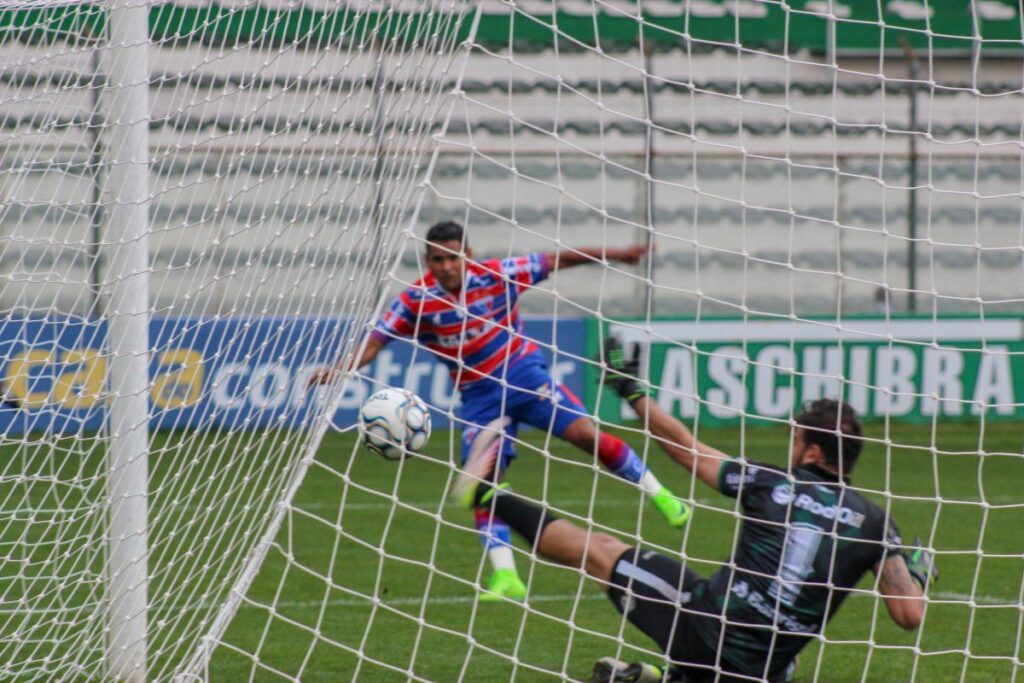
{"x": 631, "y": 254}
{"x": 921, "y": 564}
{"x": 321, "y": 376}
{"x": 623, "y": 369}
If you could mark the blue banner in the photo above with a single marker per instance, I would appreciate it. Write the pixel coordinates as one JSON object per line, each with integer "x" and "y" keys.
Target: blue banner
{"x": 226, "y": 373}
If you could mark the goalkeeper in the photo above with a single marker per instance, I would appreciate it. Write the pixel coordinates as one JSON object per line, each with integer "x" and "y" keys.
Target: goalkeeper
{"x": 788, "y": 575}
{"x": 465, "y": 312}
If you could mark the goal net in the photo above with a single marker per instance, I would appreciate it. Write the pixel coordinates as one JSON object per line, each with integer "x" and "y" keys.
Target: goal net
{"x": 203, "y": 203}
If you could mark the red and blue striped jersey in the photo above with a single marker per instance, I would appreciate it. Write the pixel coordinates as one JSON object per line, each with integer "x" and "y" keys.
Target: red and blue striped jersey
{"x": 473, "y": 331}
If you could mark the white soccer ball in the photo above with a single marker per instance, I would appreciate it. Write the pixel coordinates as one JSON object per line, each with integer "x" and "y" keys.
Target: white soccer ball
{"x": 394, "y": 423}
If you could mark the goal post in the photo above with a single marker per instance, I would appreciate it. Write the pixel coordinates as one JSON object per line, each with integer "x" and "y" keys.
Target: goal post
{"x": 127, "y": 314}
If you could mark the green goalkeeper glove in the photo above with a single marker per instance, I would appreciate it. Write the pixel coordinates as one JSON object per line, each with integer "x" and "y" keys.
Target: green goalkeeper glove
{"x": 623, "y": 371}
{"x": 921, "y": 564}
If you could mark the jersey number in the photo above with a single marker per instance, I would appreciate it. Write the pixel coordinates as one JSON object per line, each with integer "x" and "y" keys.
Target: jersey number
{"x": 801, "y": 548}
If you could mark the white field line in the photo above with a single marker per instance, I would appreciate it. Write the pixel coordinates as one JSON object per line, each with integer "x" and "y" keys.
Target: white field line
{"x": 18, "y": 515}
{"x": 433, "y": 506}
{"x": 382, "y": 504}
{"x": 584, "y": 502}
{"x": 309, "y": 506}
{"x": 468, "y": 598}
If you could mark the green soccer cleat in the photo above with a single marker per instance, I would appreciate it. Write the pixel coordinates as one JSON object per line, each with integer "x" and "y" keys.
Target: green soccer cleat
{"x": 611, "y": 670}
{"x": 504, "y": 584}
{"x": 675, "y": 511}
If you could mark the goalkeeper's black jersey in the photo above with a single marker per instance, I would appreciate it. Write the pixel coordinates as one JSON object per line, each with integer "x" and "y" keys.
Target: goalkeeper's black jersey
{"x": 806, "y": 539}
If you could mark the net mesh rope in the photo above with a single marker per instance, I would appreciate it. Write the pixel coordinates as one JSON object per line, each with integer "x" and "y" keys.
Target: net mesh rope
{"x": 294, "y": 168}
{"x": 281, "y": 178}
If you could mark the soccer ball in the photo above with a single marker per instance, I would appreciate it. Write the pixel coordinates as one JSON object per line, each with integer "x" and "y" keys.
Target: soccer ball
{"x": 394, "y": 423}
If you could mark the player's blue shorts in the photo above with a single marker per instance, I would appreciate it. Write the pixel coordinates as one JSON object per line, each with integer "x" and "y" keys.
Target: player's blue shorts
{"x": 528, "y": 394}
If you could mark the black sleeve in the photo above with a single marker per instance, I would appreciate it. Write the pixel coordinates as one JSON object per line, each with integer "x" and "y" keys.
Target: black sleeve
{"x": 739, "y": 477}
{"x": 891, "y": 544}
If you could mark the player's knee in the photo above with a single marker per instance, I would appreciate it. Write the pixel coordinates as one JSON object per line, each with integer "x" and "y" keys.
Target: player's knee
{"x": 603, "y": 552}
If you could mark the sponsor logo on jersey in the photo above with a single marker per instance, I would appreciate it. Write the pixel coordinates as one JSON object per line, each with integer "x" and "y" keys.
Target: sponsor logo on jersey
{"x": 783, "y": 494}
{"x": 843, "y": 514}
{"x": 766, "y": 608}
{"x": 747, "y": 476}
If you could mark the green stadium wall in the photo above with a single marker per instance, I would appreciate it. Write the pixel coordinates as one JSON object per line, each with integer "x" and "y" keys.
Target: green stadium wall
{"x": 939, "y": 26}
{"x": 722, "y": 370}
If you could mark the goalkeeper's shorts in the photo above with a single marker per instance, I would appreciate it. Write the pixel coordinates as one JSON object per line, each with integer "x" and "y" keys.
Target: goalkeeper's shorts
{"x": 657, "y": 594}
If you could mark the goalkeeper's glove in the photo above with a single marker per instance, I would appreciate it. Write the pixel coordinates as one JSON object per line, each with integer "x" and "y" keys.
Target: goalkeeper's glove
{"x": 921, "y": 564}
{"x": 623, "y": 370}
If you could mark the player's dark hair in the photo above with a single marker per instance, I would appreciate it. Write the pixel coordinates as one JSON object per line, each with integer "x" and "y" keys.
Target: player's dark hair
{"x": 446, "y": 231}
{"x": 835, "y": 428}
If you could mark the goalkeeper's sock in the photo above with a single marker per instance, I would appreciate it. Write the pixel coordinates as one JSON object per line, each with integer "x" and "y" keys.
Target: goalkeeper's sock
{"x": 617, "y": 456}
{"x": 528, "y": 520}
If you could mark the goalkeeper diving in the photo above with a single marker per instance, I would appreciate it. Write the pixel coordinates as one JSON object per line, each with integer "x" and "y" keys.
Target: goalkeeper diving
{"x": 806, "y": 539}
{"x": 465, "y": 312}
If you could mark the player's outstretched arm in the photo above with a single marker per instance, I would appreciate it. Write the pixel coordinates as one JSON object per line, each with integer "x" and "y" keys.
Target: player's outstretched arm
{"x": 567, "y": 258}
{"x": 673, "y": 436}
{"x": 903, "y": 579}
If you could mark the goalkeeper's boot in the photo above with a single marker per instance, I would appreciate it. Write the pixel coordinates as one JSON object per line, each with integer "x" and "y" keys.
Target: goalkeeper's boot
{"x": 611, "y": 670}
{"x": 504, "y": 584}
{"x": 675, "y": 511}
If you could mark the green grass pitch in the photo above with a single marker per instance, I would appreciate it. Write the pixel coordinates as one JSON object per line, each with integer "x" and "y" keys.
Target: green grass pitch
{"x": 371, "y": 575}
{"x": 420, "y": 559}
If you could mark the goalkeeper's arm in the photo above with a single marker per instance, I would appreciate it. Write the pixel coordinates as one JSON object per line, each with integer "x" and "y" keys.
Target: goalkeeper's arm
{"x": 673, "y": 436}
{"x": 903, "y": 579}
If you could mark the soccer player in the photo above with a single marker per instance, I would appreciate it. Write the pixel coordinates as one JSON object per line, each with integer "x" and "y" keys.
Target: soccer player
{"x": 806, "y": 540}
{"x": 465, "y": 312}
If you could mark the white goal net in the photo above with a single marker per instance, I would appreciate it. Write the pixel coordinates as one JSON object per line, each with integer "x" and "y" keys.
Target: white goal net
{"x": 203, "y": 203}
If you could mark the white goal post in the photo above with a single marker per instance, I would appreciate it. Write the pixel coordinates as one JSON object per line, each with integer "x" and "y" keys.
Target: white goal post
{"x": 204, "y": 202}
{"x": 128, "y": 316}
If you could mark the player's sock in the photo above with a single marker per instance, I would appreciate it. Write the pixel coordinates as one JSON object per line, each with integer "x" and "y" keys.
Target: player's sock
{"x": 649, "y": 484}
{"x": 504, "y": 582}
{"x": 501, "y": 557}
{"x": 617, "y": 456}
{"x": 494, "y": 532}
{"x": 623, "y": 461}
